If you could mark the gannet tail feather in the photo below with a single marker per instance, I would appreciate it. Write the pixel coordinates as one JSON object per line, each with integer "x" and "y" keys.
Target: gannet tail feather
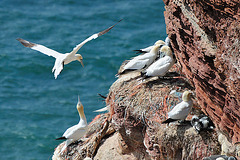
{"x": 61, "y": 138}
{"x": 169, "y": 120}
{"x": 104, "y": 97}
{"x": 138, "y": 51}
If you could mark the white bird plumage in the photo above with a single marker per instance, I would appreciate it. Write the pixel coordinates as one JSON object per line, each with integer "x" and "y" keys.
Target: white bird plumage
{"x": 182, "y": 109}
{"x": 63, "y": 59}
{"x": 103, "y": 109}
{"x": 143, "y": 60}
{"x": 148, "y": 49}
{"x": 162, "y": 65}
{"x": 77, "y": 131}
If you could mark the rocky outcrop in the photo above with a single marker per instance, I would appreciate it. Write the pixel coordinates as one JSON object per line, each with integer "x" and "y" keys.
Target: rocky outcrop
{"x": 139, "y": 107}
{"x": 205, "y": 37}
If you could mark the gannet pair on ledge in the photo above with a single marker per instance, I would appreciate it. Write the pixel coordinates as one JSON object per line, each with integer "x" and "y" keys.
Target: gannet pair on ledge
{"x": 63, "y": 59}
{"x": 182, "y": 109}
{"x": 75, "y": 132}
{"x": 162, "y": 65}
{"x": 149, "y": 60}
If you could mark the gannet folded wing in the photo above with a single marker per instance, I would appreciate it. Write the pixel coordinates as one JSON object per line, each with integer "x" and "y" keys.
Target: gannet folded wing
{"x": 136, "y": 64}
{"x": 141, "y": 61}
{"x": 75, "y": 132}
{"x": 158, "y": 70}
{"x": 39, "y": 48}
{"x": 180, "y": 111}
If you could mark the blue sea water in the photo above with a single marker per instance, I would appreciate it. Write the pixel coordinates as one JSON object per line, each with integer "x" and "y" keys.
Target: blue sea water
{"x": 34, "y": 107}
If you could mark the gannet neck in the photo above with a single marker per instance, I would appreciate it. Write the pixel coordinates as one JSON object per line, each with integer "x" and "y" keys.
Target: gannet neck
{"x": 154, "y": 50}
{"x": 186, "y": 96}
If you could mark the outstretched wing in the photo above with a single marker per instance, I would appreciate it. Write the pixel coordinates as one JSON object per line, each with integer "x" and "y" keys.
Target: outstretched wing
{"x": 39, "y": 48}
{"x": 94, "y": 36}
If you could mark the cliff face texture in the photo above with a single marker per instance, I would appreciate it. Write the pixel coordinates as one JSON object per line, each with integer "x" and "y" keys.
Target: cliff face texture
{"x": 205, "y": 37}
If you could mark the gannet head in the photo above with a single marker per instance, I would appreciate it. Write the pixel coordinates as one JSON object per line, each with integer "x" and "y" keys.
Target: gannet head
{"x": 166, "y": 50}
{"x": 186, "y": 96}
{"x": 155, "y": 49}
{"x": 159, "y": 42}
{"x": 80, "y": 107}
{"x": 80, "y": 59}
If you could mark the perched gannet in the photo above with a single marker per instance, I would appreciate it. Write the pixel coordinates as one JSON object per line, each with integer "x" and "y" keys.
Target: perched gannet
{"x": 141, "y": 61}
{"x": 148, "y": 49}
{"x": 63, "y": 59}
{"x": 201, "y": 123}
{"x": 75, "y": 132}
{"x": 181, "y": 110}
{"x": 162, "y": 65}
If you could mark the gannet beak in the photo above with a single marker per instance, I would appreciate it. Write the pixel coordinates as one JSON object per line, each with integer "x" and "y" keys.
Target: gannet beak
{"x": 80, "y": 60}
{"x": 78, "y": 99}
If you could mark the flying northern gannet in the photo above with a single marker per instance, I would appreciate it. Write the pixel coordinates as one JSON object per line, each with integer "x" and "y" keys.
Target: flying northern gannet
{"x": 75, "y": 132}
{"x": 162, "y": 65}
{"x": 141, "y": 61}
{"x": 63, "y": 59}
{"x": 148, "y": 49}
{"x": 181, "y": 110}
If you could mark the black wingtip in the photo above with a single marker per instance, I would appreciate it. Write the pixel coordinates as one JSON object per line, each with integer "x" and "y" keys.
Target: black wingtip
{"x": 169, "y": 120}
{"x": 120, "y": 20}
{"x": 26, "y": 43}
{"x": 138, "y": 51}
{"x": 108, "y": 29}
{"x": 61, "y": 138}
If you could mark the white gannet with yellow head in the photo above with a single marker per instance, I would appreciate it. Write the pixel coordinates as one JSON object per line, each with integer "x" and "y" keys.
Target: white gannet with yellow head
{"x": 148, "y": 49}
{"x": 77, "y": 131}
{"x": 142, "y": 61}
{"x": 63, "y": 59}
{"x": 162, "y": 65}
{"x": 181, "y": 110}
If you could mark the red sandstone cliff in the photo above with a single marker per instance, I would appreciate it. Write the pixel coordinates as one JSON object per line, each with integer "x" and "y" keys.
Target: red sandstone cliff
{"x": 205, "y": 37}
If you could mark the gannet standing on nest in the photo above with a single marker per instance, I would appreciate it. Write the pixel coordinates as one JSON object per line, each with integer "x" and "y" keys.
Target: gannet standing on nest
{"x": 141, "y": 61}
{"x": 75, "y": 132}
{"x": 148, "y": 49}
{"x": 162, "y": 65}
{"x": 63, "y": 59}
{"x": 181, "y": 110}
